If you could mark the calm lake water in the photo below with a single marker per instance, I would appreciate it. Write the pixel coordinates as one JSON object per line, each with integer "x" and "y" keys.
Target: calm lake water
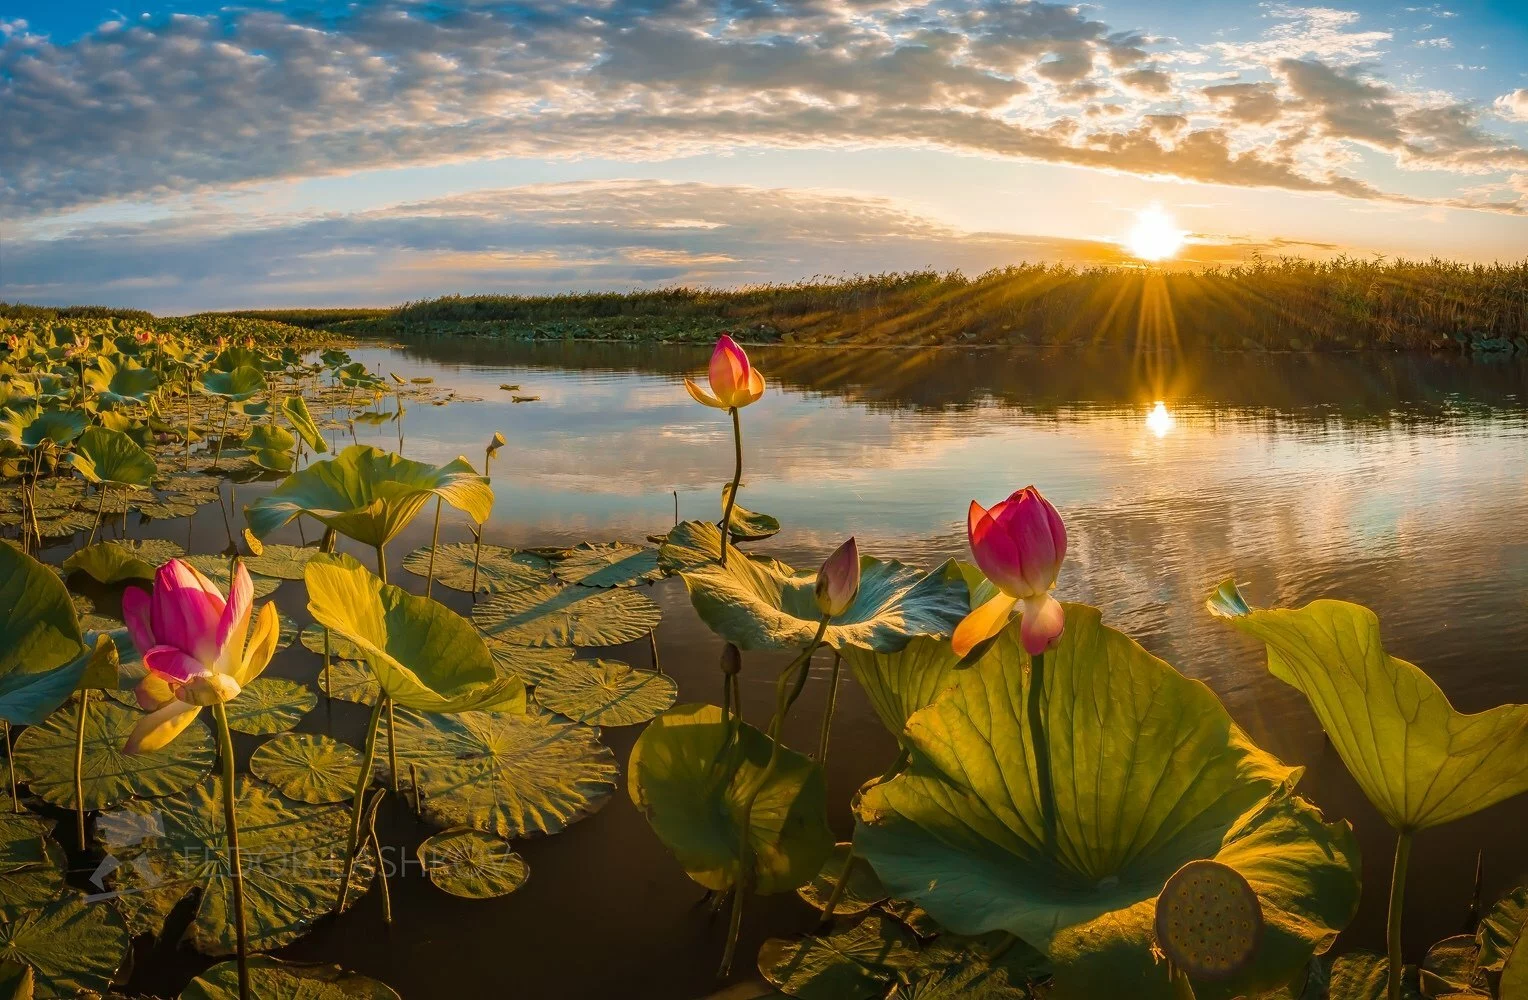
{"x": 1397, "y": 482}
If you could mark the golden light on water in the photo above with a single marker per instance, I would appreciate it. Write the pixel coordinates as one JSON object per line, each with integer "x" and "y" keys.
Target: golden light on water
{"x": 1159, "y": 421}
{"x": 1155, "y": 236}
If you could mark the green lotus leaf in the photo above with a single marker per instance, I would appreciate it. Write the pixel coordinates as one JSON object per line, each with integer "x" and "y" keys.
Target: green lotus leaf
{"x": 472, "y": 864}
{"x": 235, "y": 386}
{"x": 281, "y": 562}
{"x": 350, "y": 680}
{"x": 425, "y": 655}
{"x": 73, "y": 947}
{"x": 340, "y": 648}
{"x": 272, "y": 979}
{"x": 30, "y": 426}
{"x": 165, "y": 509}
{"x": 1417, "y": 759}
{"x": 901, "y": 683}
{"x": 115, "y": 385}
{"x": 1514, "y": 974}
{"x": 1157, "y": 776}
{"x": 1363, "y": 975}
{"x": 531, "y": 664}
{"x": 692, "y": 544}
{"x": 118, "y": 561}
{"x": 296, "y": 412}
{"x": 694, "y": 802}
{"x": 270, "y": 705}
{"x": 498, "y": 569}
{"x": 1451, "y": 968}
{"x": 308, "y": 767}
{"x": 370, "y": 495}
{"x": 106, "y": 456}
{"x": 217, "y": 569}
{"x": 17, "y": 981}
{"x": 863, "y": 891}
{"x": 1500, "y": 927}
{"x": 555, "y": 615}
{"x": 509, "y": 775}
{"x": 293, "y": 855}
{"x": 609, "y": 564}
{"x": 990, "y": 967}
{"x": 764, "y": 604}
{"x": 286, "y": 632}
{"x": 45, "y": 758}
{"x": 606, "y": 693}
{"x": 38, "y": 627}
{"x": 745, "y": 525}
{"x": 23, "y": 841}
{"x": 860, "y": 963}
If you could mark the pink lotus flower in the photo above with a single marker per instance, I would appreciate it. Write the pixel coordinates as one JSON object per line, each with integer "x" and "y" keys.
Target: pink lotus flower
{"x": 838, "y": 581}
{"x": 1019, "y": 545}
{"x": 734, "y": 382}
{"x": 198, "y": 648}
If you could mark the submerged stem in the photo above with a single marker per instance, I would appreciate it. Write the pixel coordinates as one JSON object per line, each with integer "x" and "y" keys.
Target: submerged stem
{"x": 363, "y": 780}
{"x": 79, "y": 769}
{"x": 1397, "y": 903}
{"x": 236, "y": 866}
{"x": 737, "y": 477}
{"x": 827, "y": 716}
{"x": 1037, "y": 740}
{"x": 100, "y": 509}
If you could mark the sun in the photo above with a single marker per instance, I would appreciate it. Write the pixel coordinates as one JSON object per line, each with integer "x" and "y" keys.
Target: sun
{"x": 1155, "y": 235}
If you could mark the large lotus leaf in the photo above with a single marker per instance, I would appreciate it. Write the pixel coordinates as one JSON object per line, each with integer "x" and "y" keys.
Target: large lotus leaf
{"x": 763, "y": 604}
{"x": 117, "y": 561}
{"x": 606, "y": 693}
{"x": 293, "y": 855}
{"x": 555, "y": 615}
{"x": 114, "y": 385}
{"x": 270, "y": 705}
{"x": 498, "y": 568}
{"x": 73, "y": 947}
{"x": 472, "y": 864}
{"x": 30, "y": 427}
{"x": 692, "y": 544}
{"x": 107, "y": 456}
{"x": 340, "y": 648}
{"x": 899, "y": 684}
{"x": 272, "y": 979}
{"x": 218, "y": 569}
{"x": 45, "y": 758}
{"x": 1418, "y": 760}
{"x": 1500, "y": 927}
{"x": 1514, "y": 973}
{"x": 860, "y": 963}
{"x": 280, "y": 562}
{"x": 1149, "y": 773}
{"x": 237, "y": 385}
{"x": 296, "y": 412}
{"x": 370, "y": 495}
{"x": 38, "y": 627}
{"x": 425, "y": 655}
{"x": 509, "y": 775}
{"x": 308, "y": 767}
{"x": 609, "y": 564}
{"x": 694, "y": 801}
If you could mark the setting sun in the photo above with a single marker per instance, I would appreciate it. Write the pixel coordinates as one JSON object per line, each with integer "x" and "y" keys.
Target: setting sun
{"x": 1155, "y": 235}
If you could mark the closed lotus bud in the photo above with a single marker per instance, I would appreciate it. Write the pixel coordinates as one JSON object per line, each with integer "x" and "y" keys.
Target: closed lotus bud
{"x": 732, "y": 660}
{"x": 839, "y": 579}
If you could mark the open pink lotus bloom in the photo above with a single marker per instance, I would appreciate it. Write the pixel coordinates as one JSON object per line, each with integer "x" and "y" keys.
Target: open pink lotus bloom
{"x": 734, "y": 382}
{"x": 839, "y": 579}
{"x": 1019, "y": 545}
{"x": 199, "y": 649}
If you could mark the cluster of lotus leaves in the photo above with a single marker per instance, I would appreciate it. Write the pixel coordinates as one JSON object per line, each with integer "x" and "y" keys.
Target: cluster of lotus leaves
{"x": 370, "y": 495}
{"x": 1149, "y": 774}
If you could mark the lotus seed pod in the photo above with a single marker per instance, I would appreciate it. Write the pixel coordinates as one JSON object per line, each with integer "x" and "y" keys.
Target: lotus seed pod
{"x": 1209, "y": 921}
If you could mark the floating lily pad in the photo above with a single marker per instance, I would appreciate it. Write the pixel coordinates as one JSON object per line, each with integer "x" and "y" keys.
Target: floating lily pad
{"x": 270, "y": 979}
{"x": 609, "y": 564}
{"x": 532, "y": 664}
{"x": 863, "y": 892}
{"x": 287, "y": 634}
{"x": 293, "y": 855}
{"x": 62, "y": 523}
{"x": 340, "y": 648}
{"x": 746, "y": 525}
{"x": 350, "y": 680}
{"x": 308, "y": 767}
{"x": 553, "y": 615}
{"x": 270, "y": 705}
{"x": 606, "y": 693}
{"x": 216, "y": 569}
{"x": 116, "y": 561}
{"x": 23, "y": 841}
{"x": 857, "y": 964}
{"x": 73, "y": 947}
{"x": 166, "y": 508}
{"x": 45, "y": 758}
{"x": 282, "y": 562}
{"x": 509, "y": 775}
{"x": 499, "y": 569}
{"x": 989, "y": 967}
{"x": 472, "y": 864}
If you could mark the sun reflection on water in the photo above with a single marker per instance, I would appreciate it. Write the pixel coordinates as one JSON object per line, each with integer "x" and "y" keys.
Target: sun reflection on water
{"x": 1159, "y": 421}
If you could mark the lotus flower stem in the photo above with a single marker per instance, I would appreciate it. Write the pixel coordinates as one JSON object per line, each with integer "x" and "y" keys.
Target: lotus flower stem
{"x": 100, "y": 509}
{"x": 652, "y": 643}
{"x": 392, "y": 745}
{"x": 1036, "y": 713}
{"x": 1397, "y": 903}
{"x": 676, "y": 508}
{"x": 189, "y": 411}
{"x": 827, "y": 716}
{"x": 382, "y": 563}
{"x": 328, "y": 657}
{"x": 10, "y": 765}
{"x": 363, "y": 781}
{"x": 79, "y": 769}
{"x": 376, "y": 848}
{"x": 429, "y": 580}
{"x": 737, "y": 477}
{"x": 235, "y": 864}
{"x": 477, "y": 531}
{"x": 222, "y": 433}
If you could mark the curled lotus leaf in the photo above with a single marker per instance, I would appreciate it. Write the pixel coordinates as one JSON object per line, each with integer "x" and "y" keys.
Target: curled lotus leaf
{"x": 556, "y": 615}
{"x": 1417, "y": 759}
{"x": 901, "y": 683}
{"x": 308, "y": 767}
{"x": 609, "y": 564}
{"x": 606, "y": 693}
{"x": 32, "y": 427}
{"x": 508, "y": 775}
{"x": 860, "y": 963}
{"x": 863, "y": 891}
{"x": 746, "y": 525}
{"x": 235, "y": 385}
{"x": 693, "y": 795}
{"x": 270, "y": 705}
{"x": 293, "y": 855}
{"x": 118, "y": 561}
{"x": 690, "y": 545}
{"x": 42, "y": 651}
{"x": 498, "y": 568}
{"x": 759, "y": 603}
{"x": 296, "y": 412}
{"x": 1157, "y": 776}
{"x": 1500, "y": 927}
{"x": 272, "y": 979}
{"x": 472, "y": 864}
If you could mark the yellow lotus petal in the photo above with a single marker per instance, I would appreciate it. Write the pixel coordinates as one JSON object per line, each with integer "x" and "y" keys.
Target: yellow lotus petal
{"x": 155, "y": 730}
{"x": 982, "y": 624}
{"x": 755, "y": 388}
{"x": 702, "y": 396}
{"x": 262, "y": 645}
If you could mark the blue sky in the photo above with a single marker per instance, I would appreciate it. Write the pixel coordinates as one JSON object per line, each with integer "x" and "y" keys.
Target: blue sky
{"x": 187, "y": 155}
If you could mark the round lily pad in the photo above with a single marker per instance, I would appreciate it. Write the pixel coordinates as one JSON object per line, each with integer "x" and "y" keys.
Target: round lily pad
{"x": 863, "y": 891}
{"x": 531, "y": 664}
{"x": 499, "y": 568}
{"x": 472, "y": 864}
{"x": 858, "y": 964}
{"x": 271, "y": 979}
{"x": 509, "y": 775}
{"x": 287, "y": 633}
{"x": 166, "y": 508}
{"x": 606, "y": 693}
{"x": 215, "y": 568}
{"x": 340, "y": 648}
{"x": 45, "y": 757}
{"x": 73, "y": 947}
{"x": 308, "y": 767}
{"x": 283, "y": 562}
{"x": 270, "y": 705}
{"x": 350, "y": 680}
{"x": 609, "y": 564}
{"x": 553, "y": 615}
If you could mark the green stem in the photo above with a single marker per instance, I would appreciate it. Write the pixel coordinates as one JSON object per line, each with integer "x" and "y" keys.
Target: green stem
{"x": 328, "y": 657}
{"x": 843, "y": 878}
{"x": 376, "y": 848}
{"x": 79, "y": 769}
{"x": 392, "y": 745}
{"x": 222, "y": 433}
{"x": 100, "y": 509}
{"x": 477, "y": 532}
{"x": 827, "y": 716}
{"x": 10, "y": 765}
{"x": 236, "y": 865}
{"x": 737, "y": 477}
{"x": 1397, "y": 903}
{"x": 363, "y": 781}
{"x": 1037, "y": 741}
{"x": 382, "y": 563}
{"x": 652, "y": 643}
{"x": 429, "y": 580}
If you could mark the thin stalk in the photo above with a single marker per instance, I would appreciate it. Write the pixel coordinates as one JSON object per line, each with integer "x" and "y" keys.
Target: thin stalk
{"x": 477, "y": 549}
{"x": 10, "y": 765}
{"x": 382, "y": 563}
{"x": 843, "y": 877}
{"x": 328, "y": 658}
{"x": 1397, "y": 903}
{"x": 737, "y": 477}
{"x": 429, "y": 580}
{"x": 363, "y": 781}
{"x": 222, "y": 433}
{"x": 376, "y": 848}
{"x": 676, "y": 508}
{"x": 392, "y": 745}
{"x": 827, "y": 716}
{"x": 652, "y": 643}
{"x": 1036, "y": 713}
{"x": 236, "y": 865}
{"x": 189, "y": 410}
{"x": 100, "y": 509}
{"x": 79, "y": 769}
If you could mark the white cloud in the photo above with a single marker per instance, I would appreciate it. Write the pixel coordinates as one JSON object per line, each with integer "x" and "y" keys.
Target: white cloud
{"x": 1513, "y": 105}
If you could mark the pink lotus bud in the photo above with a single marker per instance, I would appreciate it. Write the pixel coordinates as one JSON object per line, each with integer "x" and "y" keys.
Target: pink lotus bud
{"x": 734, "y": 382}
{"x": 839, "y": 579}
{"x": 1019, "y": 545}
